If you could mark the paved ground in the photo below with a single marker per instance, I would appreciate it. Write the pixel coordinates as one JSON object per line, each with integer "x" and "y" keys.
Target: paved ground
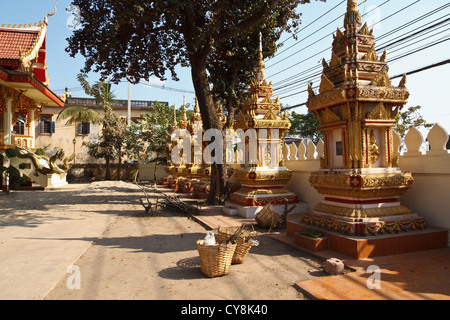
{"x": 121, "y": 254}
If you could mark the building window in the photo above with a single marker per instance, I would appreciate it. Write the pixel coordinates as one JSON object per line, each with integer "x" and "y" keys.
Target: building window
{"x": 46, "y": 124}
{"x": 339, "y": 151}
{"x": 19, "y": 127}
{"x": 83, "y": 128}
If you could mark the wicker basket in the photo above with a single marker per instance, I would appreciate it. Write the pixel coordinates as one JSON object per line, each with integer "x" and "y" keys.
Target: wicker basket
{"x": 243, "y": 244}
{"x": 215, "y": 261}
{"x": 268, "y": 217}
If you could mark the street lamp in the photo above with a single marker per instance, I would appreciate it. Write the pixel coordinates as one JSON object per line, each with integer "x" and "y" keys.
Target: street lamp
{"x": 74, "y": 141}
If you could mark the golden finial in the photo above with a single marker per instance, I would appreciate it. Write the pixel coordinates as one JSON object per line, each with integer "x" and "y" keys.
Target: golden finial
{"x": 261, "y": 74}
{"x": 50, "y": 14}
{"x": 174, "y": 117}
{"x": 196, "y": 107}
{"x": 352, "y": 6}
{"x": 353, "y": 16}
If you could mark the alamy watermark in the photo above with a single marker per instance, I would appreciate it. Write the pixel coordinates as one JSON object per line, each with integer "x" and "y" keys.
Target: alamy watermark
{"x": 74, "y": 21}
{"x": 373, "y": 18}
{"x": 74, "y": 280}
{"x": 374, "y": 281}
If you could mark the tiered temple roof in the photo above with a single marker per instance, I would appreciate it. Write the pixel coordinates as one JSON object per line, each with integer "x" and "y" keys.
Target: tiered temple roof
{"x": 23, "y": 61}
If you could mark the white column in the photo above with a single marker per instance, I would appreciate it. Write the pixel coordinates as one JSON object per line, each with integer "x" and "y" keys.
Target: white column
{"x": 7, "y": 122}
{"x": 31, "y": 128}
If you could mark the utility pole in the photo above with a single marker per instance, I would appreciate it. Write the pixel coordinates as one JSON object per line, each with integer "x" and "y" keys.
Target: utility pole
{"x": 129, "y": 102}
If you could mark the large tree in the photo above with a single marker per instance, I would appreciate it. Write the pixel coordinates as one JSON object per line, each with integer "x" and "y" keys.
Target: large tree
{"x": 141, "y": 38}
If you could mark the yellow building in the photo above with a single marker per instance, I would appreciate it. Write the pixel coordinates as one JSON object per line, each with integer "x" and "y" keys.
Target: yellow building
{"x": 52, "y": 135}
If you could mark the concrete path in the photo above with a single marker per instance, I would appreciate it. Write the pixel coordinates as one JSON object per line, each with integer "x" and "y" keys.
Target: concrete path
{"x": 42, "y": 233}
{"x": 123, "y": 254}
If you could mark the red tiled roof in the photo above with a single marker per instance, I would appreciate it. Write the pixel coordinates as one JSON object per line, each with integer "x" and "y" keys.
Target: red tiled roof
{"x": 11, "y": 40}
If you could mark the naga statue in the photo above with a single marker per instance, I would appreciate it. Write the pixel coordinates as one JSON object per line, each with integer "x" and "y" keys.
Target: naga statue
{"x": 41, "y": 165}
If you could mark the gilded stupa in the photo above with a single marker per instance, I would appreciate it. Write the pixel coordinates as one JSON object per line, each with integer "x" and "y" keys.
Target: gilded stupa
{"x": 356, "y": 106}
{"x": 262, "y": 179}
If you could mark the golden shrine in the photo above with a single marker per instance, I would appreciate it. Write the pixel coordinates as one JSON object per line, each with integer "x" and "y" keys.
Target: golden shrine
{"x": 262, "y": 179}
{"x": 356, "y": 107}
{"x": 361, "y": 215}
{"x": 24, "y": 92}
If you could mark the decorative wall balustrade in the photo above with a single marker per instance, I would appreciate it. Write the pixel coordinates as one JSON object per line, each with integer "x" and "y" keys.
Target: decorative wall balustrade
{"x": 414, "y": 144}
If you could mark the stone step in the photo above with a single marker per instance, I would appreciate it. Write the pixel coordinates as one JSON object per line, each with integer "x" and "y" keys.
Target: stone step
{"x": 374, "y": 246}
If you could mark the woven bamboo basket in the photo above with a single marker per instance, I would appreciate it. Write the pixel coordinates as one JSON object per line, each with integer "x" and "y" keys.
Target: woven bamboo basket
{"x": 215, "y": 261}
{"x": 243, "y": 244}
{"x": 268, "y": 217}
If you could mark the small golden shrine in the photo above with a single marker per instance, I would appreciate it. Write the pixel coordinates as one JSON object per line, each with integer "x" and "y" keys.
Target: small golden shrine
{"x": 193, "y": 177}
{"x": 262, "y": 179}
{"x": 171, "y": 169}
{"x": 356, "y": 107}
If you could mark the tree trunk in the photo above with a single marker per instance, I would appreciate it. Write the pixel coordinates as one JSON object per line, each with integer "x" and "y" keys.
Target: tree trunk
{"x": 108, "y": 171}
{"x": 210, "y": 121}
{"x": 119, "y": 165}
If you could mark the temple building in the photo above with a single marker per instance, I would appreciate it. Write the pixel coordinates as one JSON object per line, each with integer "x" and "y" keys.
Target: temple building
{"x": 263, "y": 176}
{"x": 24, "y": 94}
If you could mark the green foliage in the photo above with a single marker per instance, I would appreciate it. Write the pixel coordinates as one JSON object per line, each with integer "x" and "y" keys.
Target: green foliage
{"x": 23, "y": 166}
{"x": 40, "y": 152}
{"x": 151, "y": 133}
{"x": 15, "y": 180}
{"x": 11, "y": 153}
{"x": 305, "y": 126}
{"x": 409, "y": 118}
{"x": 143, "y": 38}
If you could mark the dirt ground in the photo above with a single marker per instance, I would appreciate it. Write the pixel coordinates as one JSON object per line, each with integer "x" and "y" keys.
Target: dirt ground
{"x": 133, "y": 256}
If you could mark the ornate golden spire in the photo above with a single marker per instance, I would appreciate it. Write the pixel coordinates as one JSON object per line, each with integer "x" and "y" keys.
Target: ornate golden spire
{"x": 352, "y": 6}
{"x": 196, "y": 116}
{"x": 183, "y": 121}
{"x": 353, "y": 16}
{"x": 196, "y": 107}
{"x": 261, "y": 76}
{"x": 174, "y": 124}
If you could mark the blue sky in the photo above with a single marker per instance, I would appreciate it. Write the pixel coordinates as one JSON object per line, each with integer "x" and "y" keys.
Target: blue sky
{"x": 430, "y": 89}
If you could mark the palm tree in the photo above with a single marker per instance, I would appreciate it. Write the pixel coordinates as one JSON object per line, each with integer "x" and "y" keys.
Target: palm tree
{"x": 103, "y": 95}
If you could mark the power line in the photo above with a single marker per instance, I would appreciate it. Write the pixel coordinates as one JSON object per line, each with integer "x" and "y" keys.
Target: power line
{"x": 290, "y": 67}
{"x": 281, "y": 52}
{"x": 311, "y": 34}
{"x": 163, "y": 87}
{"x": 393, "y": 42}
{"x": 431, "y": 66}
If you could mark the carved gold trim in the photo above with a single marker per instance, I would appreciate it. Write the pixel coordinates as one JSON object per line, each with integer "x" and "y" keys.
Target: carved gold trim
{"x": 263, "y": 178}
{"x": 368, "y": 186}
{"x": 361, "y": 213}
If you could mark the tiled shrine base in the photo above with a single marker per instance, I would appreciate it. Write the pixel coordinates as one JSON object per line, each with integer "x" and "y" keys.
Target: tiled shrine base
{"x": 360, "y": 247}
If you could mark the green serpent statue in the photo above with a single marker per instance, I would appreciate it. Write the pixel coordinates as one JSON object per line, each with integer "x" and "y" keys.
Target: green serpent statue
{"x": 52, "y": 168}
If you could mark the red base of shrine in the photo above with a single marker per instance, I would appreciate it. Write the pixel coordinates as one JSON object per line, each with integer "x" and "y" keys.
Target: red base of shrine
{"x": 369, "y": 246}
